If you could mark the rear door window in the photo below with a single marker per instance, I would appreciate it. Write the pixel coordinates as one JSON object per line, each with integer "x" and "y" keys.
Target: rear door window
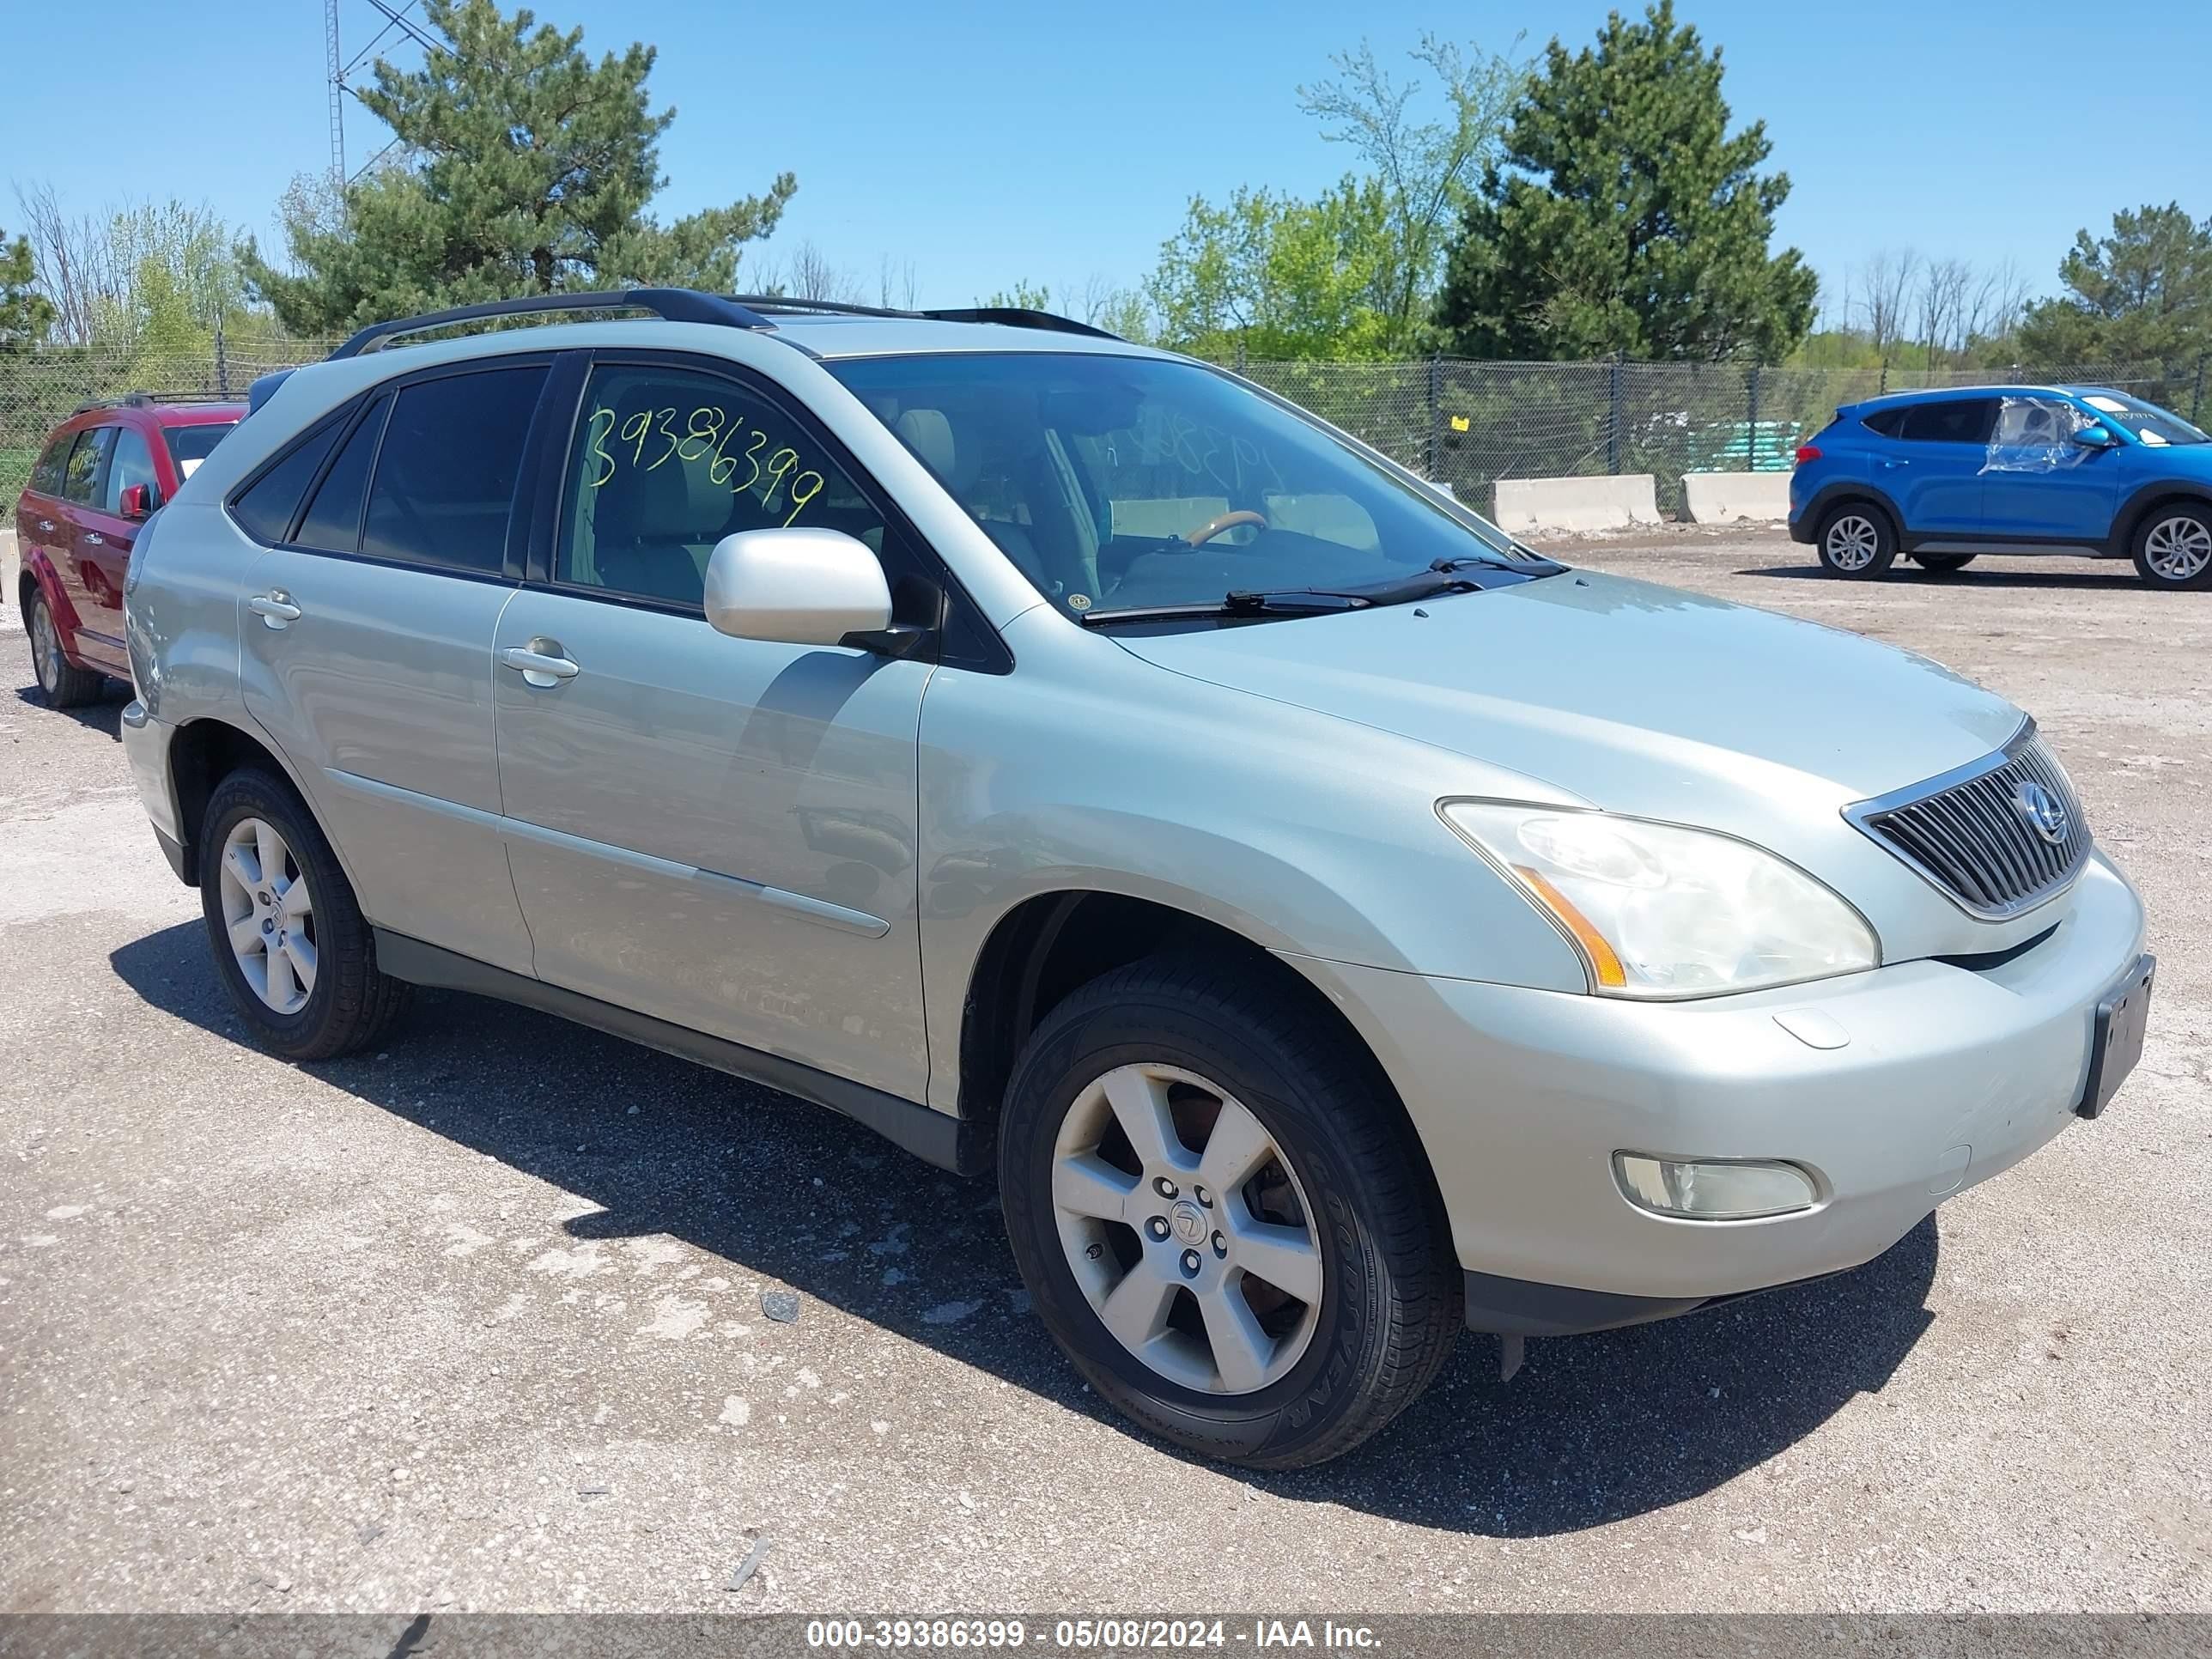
{"x": 1953, "y": 421}
{"x": 80, "y": 477}
{"x": 191, "y": 445}
{"x": 1888, "y": 423}
{"x": 446, "y": 473}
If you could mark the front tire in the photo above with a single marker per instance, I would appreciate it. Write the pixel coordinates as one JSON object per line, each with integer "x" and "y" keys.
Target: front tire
{"x": 1856, "y": 542}
{"x": 290, "y": 941}
{"x": 1222, "y": 1216}
{"x": 2173, "y": 546}
{"x": 61, "y": 683}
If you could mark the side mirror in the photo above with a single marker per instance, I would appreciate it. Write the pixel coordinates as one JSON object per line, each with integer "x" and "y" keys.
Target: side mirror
{"x": 137, "y": 501}
{"x": 797, "y": 587}
{"x": 2096, "y": 435}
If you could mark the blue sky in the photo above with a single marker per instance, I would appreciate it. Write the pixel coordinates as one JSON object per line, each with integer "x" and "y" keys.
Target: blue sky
{"x": 991, "y": 142}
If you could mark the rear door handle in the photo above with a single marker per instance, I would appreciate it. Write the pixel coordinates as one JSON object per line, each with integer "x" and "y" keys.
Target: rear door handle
{"x": 541, "y": 663}
{"x": 95, "y": 539}
{"x": 1896, "y": 463}
{"x": 46, "y": 525}
{"x": 275, "y": 608}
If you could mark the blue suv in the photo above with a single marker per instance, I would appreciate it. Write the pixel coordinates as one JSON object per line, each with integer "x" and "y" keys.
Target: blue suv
{"x": 1943, "y": 476}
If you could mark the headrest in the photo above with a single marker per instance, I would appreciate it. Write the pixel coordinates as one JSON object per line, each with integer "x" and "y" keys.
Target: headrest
{"x": 929, "y": 434}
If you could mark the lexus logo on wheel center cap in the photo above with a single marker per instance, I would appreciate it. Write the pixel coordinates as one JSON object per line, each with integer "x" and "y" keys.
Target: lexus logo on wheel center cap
{"x": 1188, "y": 1221}
{"x": 2043, "y": 811}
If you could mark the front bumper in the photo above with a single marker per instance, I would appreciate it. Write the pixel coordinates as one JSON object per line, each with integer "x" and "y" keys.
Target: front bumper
{"x": 1944, "y": 1076}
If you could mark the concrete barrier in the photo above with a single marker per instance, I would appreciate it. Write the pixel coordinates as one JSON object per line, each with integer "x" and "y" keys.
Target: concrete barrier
{"x": 8, "y": 570}
{"x": 1610, "y": 502}
{"x": 1727, "y": 498}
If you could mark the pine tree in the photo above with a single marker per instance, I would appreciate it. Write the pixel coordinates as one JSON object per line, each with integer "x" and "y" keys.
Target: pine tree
{"x": 525, "y": 169}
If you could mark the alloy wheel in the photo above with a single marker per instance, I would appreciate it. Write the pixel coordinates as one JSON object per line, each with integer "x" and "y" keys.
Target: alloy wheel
{"x": 2179, "y": 549}
{"x": 269, "y": 915}
{"x": 1187, "y": 1229}
{"x": 1851, "y": 542}
{"x": 45, "y": 649}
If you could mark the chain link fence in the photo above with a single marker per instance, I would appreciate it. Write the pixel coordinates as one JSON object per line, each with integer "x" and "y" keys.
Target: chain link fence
{"x": 1469, "y": 424}
{"x": 1461, "y": 422}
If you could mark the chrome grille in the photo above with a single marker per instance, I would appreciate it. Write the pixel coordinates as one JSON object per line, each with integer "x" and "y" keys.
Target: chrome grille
{"x": 1972, "y": 832}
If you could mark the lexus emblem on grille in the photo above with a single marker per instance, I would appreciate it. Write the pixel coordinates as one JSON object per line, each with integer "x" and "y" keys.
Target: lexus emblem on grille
{"x": 2044, "y": 813}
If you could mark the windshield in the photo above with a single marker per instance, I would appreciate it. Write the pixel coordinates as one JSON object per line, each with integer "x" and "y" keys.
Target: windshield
{"x": 2146, "y": 422}
{"x": 191, "y": 445}
{"x": 1117, "y": 483}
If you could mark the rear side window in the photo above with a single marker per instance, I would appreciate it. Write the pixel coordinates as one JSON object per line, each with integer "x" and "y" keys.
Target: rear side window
{"x": 1889, "y": 423}
{"x": 46, "y": 476}
{"x": 446, "y": 475}
{"x": 269, "y": 505}
{"x": 1955, "y": 420}
{"x": 333, "y": 520}
{"x": 80, "y": 477}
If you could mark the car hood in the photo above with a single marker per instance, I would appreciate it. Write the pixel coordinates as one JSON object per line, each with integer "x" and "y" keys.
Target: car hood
{"x": 1629, "y": 695}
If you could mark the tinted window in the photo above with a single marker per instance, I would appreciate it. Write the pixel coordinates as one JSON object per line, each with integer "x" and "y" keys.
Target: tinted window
{"x": 191, "y": 445}
{"x": 446, "y": 475}
{"x": 333, "y": 520}
{"x": 667, "y": 462}
{"x": 1956, "y": 420}
{"x": 80, "y": 477}
{"x": 46, "y": 476}
{"x": 133, "y": 463}
{"x": 1887, "y": 422}
{"x": 268, "y": 506}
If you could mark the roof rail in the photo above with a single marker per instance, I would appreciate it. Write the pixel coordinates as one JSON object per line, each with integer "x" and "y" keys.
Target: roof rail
{"x": 146, "y": 399}
{"x": 1019, "y": 317}
{"x": 1006, "y": 316}
{"x": 675, "y": 305}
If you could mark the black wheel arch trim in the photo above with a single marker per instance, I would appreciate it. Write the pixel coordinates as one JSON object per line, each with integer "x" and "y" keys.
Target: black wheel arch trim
{"x": 2140, "y": 502}
{"x": 1806, "y": 526}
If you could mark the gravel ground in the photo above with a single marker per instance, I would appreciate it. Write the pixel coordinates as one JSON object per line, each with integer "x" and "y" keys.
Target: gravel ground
{"x": 479, "y": 1322}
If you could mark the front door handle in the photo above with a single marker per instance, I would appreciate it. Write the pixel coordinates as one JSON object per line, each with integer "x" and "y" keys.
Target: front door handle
{"x": 275, "y": 608}
{"x": 541, "y": 663}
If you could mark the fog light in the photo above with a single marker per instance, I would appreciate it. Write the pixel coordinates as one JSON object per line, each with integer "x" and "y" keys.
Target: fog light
{"x": 1713, "y": 1191}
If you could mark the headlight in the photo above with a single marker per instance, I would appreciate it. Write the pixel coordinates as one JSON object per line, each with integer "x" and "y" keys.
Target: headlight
{"x": 1658, "y": 910}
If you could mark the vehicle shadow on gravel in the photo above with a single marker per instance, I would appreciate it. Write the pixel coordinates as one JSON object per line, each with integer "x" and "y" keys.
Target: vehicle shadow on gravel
{"x": 103, "y": 714}
{"x": 1593, "y": 1428}
{"x": 2116, "y": 572}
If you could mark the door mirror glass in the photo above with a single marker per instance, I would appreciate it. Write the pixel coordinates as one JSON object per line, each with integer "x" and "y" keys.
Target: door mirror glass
{"x": 137, "y": 501}
{"x": 2096, "y": 435}
{"x": 808, "y": 585}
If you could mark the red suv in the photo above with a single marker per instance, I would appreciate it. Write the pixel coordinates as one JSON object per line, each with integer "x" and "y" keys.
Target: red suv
{"x": 103, "y": 470}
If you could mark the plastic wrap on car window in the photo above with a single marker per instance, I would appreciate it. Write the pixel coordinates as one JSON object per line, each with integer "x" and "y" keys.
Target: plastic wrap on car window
{"x": 2036, "y": 434}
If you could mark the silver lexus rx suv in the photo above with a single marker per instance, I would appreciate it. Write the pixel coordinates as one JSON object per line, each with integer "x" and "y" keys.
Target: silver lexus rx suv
{"x": 1339, "y": 925}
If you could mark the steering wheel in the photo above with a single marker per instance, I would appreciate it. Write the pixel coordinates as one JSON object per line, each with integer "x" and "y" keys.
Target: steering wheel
{"x": 1213, "y": 527}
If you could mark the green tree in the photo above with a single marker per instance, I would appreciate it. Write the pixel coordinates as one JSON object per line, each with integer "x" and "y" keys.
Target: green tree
{"x": 1426, "y": 169}
{"x": 1625, "y": 217}
{"x": 1023, "y": 295}
{"x": 527, "y": 169}
{"x": 1280, "y": 276}
{"x": 2142, "y": 292}
{"x": 25, "y": 313}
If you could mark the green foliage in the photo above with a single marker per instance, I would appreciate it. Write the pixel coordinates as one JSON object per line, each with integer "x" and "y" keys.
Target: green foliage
{"x": 529, "y": 170}
{"x": 1021, "y": 296}
{"x": 1625, "y": 218}
{"x": 1426, "y": 170}
{"x": 25, "y": 315}
{"x": 1283, "y": 278}
{"x": 2143, "y": 292}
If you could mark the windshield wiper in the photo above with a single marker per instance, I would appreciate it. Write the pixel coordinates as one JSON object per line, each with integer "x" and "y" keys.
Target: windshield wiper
{"x": 1273, "y": 602}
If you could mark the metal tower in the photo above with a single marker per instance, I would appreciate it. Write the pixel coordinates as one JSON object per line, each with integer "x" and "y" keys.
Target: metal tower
{"x": 337, "y": 95}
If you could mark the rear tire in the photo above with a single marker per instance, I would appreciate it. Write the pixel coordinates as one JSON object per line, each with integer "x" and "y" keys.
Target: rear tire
{"x": 1856, "y": 541}
{"x": 61, "y": 683}
{"x": 1281, "y": 1295}
{"x": 290, "y": 941}
{"x": 1943, "y": 564}
{"x": 2173, "y": 546}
